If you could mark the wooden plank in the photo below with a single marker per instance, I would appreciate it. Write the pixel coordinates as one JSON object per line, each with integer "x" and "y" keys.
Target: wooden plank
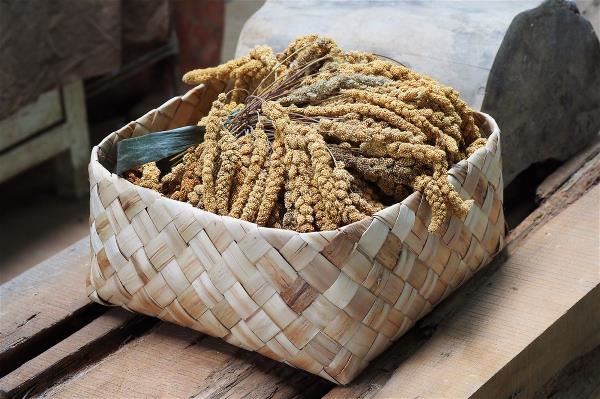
{"x": 71, "y": 166}
{"x": 43, "y": 304}
{"x": 69, "y": 133}
{"x": 577, "y": 184}
{"x": 32, "y": 152}
{"x": 504, "y": 340}
{"x": 553, "y": 182}
{"x": 177, "y": 362}
{"x": 89, "y": 344}
{"x": 45, "y": 112}
{"x": 571, "y": 336}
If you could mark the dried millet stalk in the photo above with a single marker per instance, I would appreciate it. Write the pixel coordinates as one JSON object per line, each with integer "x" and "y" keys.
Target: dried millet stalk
{"x": 321, "y": 138}
{"x": 150, "y": 176}
{"x": 183, "y": 182}
{"x": 387, "y": 173}
{"x": 305, "y": 49}
{"x": 251, "y": 208}
{"x": 434, "y": 105}
{"x": 383, "y": 68}
{"x": 297, "y": 198}
{"x": 327, "y": 205}
{"x": 213, "y": 127}
{"x": 361, "y": 131}
{"x": 275, "y": 177}
{"x": 172, "y": 180}
{"x": 325, "y": 88}
{"x": 343, "y": 182}
{"x": 276, "y": 218}
{"x": 433, "y": 194}
{"x": 255, "y": 166}
{"x": 410, "y": 114}
{"x": 188, "y": 182}
{"x": 220, "y": 73}
{"x": 475, "y": 145}
{"x": 446, "y": 99}
{"x": 230, "y": 163}
{"x": 246, "y": 145}
{"x": 364, "y": 205}
{"x": 253, "y": 67}
{"x": 357, "y": 57}
{"x": 304, "y": 199}
{"x": 363, "y": 109}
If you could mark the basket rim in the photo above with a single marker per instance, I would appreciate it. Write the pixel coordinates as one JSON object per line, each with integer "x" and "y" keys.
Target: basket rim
{"x": 485, "y": 121}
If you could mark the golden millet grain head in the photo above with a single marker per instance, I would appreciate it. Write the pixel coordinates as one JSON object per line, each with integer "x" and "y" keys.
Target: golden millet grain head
{"x": 314, "y": 138}
{"x": 150, "y": 177}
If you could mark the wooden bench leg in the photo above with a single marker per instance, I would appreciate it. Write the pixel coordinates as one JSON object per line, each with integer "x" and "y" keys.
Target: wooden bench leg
{"x": 71, "y": 165}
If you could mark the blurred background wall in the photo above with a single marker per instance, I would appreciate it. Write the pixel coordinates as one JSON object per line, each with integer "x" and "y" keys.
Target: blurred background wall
{"x": 73, "y": 71}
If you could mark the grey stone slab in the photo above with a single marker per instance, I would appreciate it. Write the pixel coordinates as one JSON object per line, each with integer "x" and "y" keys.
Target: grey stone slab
{"x": 544, "y": 86}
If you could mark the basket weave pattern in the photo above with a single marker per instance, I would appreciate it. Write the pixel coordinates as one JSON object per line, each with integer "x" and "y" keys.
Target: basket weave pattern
{"x": 326, "y": 302}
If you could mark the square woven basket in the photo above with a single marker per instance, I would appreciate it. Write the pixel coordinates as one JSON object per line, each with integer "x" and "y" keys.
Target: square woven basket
{"x": 326, "y": 302}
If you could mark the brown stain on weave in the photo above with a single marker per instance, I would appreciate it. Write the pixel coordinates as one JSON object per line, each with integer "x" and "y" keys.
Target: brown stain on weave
{"x": 339, "y": 249}
{"x": 299, "y": 295}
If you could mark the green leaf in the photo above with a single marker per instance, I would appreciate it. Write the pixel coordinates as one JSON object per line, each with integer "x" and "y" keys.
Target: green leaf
{"x": 152, "y": 147}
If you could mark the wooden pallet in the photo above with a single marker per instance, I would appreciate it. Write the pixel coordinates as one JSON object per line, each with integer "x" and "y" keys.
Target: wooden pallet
{"x": 504, "y": 334}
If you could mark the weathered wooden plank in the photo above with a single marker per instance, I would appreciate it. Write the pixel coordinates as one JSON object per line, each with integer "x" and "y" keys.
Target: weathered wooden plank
{"x": 32, "y": 152}
{"x": 498, "y": 343}
{"x": 553, "y": 182}
{"x": 41, "y": 306}
{"x": 577, "y": 184}
{"x": 177, "y": 362}
{"x": 250, "y": 374}
{"x": 39, "y": 115}
{"x": 89, "y": 344}
{"x": 71, "y": 166}
{"x": 64, "y": 136}
{"x": 572, "y": 335}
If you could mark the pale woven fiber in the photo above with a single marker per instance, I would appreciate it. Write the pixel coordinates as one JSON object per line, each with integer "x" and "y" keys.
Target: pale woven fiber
{"x": 326, "y": 302}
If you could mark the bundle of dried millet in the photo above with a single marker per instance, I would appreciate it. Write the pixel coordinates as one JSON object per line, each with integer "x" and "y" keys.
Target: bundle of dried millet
{"x": 315, "y": 138}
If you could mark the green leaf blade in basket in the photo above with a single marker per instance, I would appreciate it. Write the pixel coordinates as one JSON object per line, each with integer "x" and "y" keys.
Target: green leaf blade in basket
{"x": 152, "y": 147}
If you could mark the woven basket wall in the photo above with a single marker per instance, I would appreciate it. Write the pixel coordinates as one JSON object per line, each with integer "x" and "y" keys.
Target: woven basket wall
{"x": 326, "y": 302}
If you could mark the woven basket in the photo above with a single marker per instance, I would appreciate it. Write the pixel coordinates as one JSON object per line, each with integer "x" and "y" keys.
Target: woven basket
{"x": 326, "y": 302}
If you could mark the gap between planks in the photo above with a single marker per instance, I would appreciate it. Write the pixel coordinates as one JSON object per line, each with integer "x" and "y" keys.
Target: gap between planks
{"x": 44, "y": 305}
{"x": 89, "y": 344}
{"x": 553, "y": 182}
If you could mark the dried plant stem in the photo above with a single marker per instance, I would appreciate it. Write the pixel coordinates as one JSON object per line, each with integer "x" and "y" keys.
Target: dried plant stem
{"x": 315, "y": 138}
